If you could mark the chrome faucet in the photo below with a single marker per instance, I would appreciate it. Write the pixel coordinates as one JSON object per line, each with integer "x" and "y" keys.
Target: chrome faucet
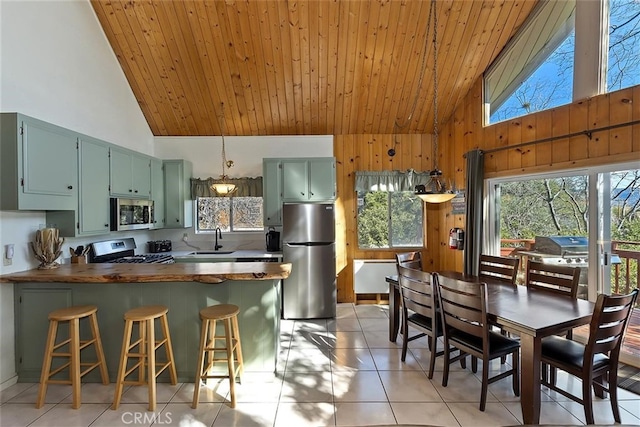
{"x": 218, "y": 234}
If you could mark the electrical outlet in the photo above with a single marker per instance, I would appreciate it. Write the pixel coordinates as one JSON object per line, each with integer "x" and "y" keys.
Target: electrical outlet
{"x": 185, "y": 237}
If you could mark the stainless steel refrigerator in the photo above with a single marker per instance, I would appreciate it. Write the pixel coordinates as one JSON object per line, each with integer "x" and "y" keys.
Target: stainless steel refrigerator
{"x": 308, "y": 239}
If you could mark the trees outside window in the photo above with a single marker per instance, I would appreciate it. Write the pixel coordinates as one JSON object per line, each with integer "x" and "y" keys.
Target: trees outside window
{"x": 390, "y": 220}
{"x": 229, "y": 213}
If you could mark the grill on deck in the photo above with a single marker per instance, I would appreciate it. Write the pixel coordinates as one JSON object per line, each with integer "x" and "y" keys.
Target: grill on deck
{"x": 572, "y": 250}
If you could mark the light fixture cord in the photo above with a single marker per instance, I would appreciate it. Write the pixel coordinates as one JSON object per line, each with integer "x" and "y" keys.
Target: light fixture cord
{"x": 435, "y": 84}
{"x": 224, "y": 153}
{"x": 423, "y": 67}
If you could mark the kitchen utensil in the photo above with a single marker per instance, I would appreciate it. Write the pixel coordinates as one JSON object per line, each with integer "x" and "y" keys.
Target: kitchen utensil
{"x": 79, "y": 250}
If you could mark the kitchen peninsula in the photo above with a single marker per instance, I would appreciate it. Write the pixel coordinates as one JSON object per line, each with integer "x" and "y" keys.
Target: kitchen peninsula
{"x": 184, "y": 288}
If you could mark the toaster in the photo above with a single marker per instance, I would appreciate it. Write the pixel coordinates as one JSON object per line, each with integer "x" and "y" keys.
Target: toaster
{"x": 159, "y": 246}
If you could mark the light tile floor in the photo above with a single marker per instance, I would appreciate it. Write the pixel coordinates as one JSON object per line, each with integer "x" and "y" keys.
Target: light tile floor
{"x": 341, "y": 372}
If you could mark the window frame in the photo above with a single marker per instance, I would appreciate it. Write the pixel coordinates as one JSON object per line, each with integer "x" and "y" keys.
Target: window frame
{"x": 197, "y": 229}
{"x": 423, "y": 220}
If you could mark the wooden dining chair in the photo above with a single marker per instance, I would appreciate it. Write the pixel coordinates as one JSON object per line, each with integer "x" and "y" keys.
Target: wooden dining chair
{"x": 598, "y": 358}
{"x": 409, "y": 259}
{"x": 419, "y": 311}
{"x": 560, "y": 279}
{"x": 463, "y": 307}
{"x": 504, "y": 269}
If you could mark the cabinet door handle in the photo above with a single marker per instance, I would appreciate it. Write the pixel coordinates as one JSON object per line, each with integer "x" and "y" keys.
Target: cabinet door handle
{"x": 177, "y": 220}
{"x": 312, "y": 193}
{"x": 302, "y": 193}
{"x": 70, "y": 187}
{"x": 130, "y": 190}
{"x": 106, "y": 225}
{"x": 135, "y": 191}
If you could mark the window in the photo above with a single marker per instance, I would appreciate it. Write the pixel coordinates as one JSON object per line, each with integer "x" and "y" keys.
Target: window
{"x": 389, "y": 220}
{"x": 537, "y": 69}
{"x": 624, "y": 39}
{"x": 229, "y": 213}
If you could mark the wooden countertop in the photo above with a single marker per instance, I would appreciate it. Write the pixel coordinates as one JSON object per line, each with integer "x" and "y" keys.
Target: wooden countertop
{"x": 140, "y": 273}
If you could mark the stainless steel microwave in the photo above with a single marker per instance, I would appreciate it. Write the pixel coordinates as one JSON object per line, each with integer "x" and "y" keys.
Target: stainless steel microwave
{"x": 131, "y": 214}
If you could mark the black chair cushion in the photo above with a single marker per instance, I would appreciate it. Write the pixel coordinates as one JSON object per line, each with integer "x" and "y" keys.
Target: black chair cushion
{"x": 497, "y": 343}
{"x": 569, "y": 352}
{"x": 425, "y": 322}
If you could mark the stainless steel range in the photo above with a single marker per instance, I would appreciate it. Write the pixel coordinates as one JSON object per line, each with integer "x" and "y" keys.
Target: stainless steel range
{"x": 123, "y": 251}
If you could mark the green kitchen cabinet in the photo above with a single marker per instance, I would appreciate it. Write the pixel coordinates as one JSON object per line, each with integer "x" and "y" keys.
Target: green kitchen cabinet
{"x": 272, "y": 192}
{"x": 177, "y": 194}
{"x": 32, "y": 308}
{"x": 39, "y": 169}
{"x": 157, "y": 193}
{"x": 93, "y": 211}
{"x": 91, "y": 216}
{"x": 309, "y": 180}
{"x": 130, "y": 174}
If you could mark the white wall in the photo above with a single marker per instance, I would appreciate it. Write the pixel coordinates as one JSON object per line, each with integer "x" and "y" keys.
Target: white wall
{"x": 247, "y": 152}
{"x": 56, "y": 65}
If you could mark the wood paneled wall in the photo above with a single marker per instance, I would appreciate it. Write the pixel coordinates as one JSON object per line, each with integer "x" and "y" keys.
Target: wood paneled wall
{"x": 369, "y": 152}
{"x": 465, "y": 132}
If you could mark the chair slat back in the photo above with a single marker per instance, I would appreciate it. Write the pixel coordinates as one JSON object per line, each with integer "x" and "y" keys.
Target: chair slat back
{"x": 409, "y": 259}
{"x": 504, "y": 269}
{"x": 609, "y": 323}
{"x": 562, "y": 280}
{"x": 463, "y": 305}
{"x": 417, "y": 291}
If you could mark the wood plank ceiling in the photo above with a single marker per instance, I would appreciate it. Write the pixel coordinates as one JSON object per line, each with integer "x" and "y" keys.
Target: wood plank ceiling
{"x": 306, "y": 67}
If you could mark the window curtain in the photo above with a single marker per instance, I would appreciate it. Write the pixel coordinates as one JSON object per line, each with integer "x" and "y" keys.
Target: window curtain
{"x": 389, "y": 180}
{"x": 473, "y": 234}
{"x": 247, "y": 187}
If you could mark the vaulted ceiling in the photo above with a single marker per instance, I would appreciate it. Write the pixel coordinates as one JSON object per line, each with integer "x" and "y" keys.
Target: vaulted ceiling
{"x": 305, "y": 67}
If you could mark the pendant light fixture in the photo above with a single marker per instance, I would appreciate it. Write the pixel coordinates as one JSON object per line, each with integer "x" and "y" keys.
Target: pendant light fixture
{"x": 224, "y": 187}
{"x": 436, "y": 189}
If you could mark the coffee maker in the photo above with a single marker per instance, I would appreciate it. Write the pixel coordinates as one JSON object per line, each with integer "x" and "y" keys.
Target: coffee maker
{"x": 273, "y": 240}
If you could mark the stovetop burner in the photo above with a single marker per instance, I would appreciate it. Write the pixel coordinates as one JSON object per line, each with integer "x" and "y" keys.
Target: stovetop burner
{"x": 122, "y": 251}
{"x": 144, "y": 259}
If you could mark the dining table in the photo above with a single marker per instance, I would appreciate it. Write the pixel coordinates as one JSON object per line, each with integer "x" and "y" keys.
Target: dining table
{"x": 531, "y": 314}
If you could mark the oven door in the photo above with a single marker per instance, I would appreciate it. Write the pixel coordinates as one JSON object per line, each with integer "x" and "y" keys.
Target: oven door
{"x": 130, "y": 214}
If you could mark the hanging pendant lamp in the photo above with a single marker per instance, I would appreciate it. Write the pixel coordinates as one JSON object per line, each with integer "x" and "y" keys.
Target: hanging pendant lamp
{"x": 224, "y": 187}
{"x": 436, "y": 189}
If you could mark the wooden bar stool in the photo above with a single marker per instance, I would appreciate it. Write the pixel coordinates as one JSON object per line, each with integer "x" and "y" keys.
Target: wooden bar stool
{"x": 228, "y": 313}
{"x": 73, "y": 315}
{"x": 146, "y": 351}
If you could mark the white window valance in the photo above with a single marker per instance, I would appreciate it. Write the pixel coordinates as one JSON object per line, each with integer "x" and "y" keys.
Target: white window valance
{"x": 389, "y": 180}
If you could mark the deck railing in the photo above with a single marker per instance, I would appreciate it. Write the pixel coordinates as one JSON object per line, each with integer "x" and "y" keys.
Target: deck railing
{"x": 625, "y": 275}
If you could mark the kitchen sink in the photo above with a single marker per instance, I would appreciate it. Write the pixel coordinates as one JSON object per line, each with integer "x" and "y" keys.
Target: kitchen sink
{"x": 211, "y": 252}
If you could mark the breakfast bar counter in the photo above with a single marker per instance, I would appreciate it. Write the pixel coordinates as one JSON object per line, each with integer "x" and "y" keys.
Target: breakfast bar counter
{"x": 139, "y": 273}
{"x": 185, "y": 288}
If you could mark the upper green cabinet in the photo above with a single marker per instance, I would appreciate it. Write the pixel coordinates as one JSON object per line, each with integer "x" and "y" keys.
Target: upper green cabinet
{"x": 177, "y": 194}
{"x": 91, "y": 216}
{"x": 271, "y": 192}
{"x": 157, "y": 193}
{"x": 39, "y": 167}
{"x": 130, "y": 174}
{"x": 93, "y": 212}
{"x": 309, "y": 180}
